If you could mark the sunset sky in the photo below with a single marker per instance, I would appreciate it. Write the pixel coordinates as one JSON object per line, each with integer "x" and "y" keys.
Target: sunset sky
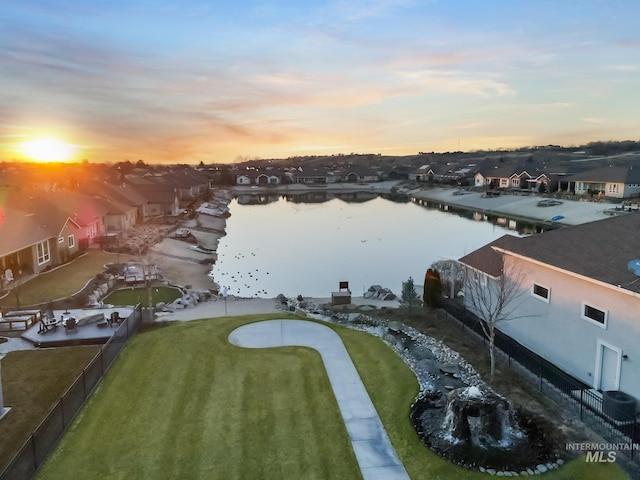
{"x": 189, "y": 81}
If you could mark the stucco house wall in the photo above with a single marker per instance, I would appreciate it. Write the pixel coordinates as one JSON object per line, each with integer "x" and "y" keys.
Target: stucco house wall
{"x": 557, "y": 330}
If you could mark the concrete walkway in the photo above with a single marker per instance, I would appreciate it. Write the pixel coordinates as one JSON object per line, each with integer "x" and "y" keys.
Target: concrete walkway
{"x": 375, "y": 454}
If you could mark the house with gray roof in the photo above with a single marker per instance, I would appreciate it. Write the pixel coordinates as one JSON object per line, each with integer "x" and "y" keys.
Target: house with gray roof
{"x": 614, "y": 182}
{"x": 580, "y": 296}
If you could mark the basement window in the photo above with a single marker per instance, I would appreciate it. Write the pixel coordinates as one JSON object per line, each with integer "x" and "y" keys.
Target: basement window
{"x": 594, "y": 315}
{"x": 540, "y": 292}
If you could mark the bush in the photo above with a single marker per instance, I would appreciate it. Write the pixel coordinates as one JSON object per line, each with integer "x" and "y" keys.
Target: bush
{"x": 432, "y": 289}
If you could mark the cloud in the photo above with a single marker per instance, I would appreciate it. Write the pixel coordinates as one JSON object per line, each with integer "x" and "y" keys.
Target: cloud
{"x": 597, "y": 120}
{"x": 355, "y": 10}
{"x": 622, "y": 68}
{"x": 433, "y": 81}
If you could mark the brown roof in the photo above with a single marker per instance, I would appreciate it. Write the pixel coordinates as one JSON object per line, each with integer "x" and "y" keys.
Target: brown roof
{"x": 486, "y": 259}
{"x": 600, "y": 250}
{"x": 28, "y": 219}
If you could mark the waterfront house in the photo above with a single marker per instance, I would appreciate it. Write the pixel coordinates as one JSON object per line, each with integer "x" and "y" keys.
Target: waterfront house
{"x": 579, "y": 297}
{"x": 35, "y": 239}
{"x": 244, "y": 179}
{"x": 512, "y": 177}
{"x": 124, "y": 205}
{"x": 358, "y": 174}
{"x": 614, "y": 182}
{"x": 311, "y": 176}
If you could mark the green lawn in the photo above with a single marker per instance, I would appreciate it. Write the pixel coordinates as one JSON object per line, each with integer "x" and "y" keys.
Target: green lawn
{"x": 61, "y": 282}
{"x": 133, "y": 296}
{"x": 181, "y": 402}
{"x": 32, "y": 382}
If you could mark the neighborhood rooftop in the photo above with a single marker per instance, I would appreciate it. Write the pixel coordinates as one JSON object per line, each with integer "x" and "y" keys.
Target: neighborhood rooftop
{"x": 599, "y": 250}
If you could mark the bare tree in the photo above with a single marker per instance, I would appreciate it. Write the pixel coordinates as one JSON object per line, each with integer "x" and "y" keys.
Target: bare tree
{"x": 494, "y": 299}
{"x": 451, "y": 276}
{"x": 149, "y": 273}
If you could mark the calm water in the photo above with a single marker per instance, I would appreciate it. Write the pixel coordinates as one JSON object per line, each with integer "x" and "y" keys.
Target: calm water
{"x": 308, "y": 248}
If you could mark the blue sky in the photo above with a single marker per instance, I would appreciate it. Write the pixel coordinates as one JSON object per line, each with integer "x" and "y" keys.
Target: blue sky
{"x": 190, "y": 81}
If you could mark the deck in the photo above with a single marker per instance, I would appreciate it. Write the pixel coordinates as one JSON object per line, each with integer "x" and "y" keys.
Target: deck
{"x": 85, "y": 334}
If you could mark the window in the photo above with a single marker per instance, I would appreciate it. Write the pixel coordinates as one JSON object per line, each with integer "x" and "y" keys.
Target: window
{"x": 43, "y": 252}
{"x": 60, "y": 239}
{"x": 540, "y": 292}
{"x": 93, "y": 230}
{"x": 594, "y": 315}
{"x": 71, "y": 241}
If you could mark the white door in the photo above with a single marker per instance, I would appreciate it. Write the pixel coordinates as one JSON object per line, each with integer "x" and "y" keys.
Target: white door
{"x": 607, "y": 367}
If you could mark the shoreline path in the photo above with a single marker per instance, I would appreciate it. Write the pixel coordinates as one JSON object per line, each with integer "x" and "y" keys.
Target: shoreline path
{"x": 375, "y": 455}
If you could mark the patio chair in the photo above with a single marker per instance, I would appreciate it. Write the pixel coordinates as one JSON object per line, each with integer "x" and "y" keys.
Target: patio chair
{"x": 114, "y": 318}
{"x": 71, "y": 324}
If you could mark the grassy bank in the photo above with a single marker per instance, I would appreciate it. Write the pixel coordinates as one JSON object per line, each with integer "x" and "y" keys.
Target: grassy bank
{"x": 181, "y": 402}
{"x": 60, "y": 283}
{"x": 32, "y": 382}
{"x": 138, "y": 295}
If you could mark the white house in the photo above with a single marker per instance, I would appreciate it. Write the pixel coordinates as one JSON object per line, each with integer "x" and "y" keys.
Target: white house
{"x": 243, "y": 179}
{"x": 581, "y": 300}
{"x": 267, "y": 179}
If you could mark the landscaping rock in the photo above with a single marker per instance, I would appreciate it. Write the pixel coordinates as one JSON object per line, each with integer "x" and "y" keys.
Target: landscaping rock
{"x": 450, "y": 368}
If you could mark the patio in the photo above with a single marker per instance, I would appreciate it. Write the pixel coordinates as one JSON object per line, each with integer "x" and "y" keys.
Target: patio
{"x": 96, "y": 331}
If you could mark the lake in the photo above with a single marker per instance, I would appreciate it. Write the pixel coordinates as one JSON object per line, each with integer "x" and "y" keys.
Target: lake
{"x": 296, "y": 248}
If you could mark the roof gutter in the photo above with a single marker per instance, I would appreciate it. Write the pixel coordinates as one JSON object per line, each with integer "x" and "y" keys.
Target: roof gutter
{"x": 616, "y": 288}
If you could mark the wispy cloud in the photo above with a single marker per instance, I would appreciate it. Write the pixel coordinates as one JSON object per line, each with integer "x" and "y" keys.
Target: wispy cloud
{"x": 184, "y": 81}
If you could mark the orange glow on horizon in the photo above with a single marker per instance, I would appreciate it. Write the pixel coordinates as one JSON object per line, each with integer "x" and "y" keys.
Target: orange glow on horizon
{"x": 48, "y": 149}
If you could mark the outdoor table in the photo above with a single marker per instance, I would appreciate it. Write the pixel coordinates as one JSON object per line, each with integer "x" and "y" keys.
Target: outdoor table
{"x": 25, "y": 320}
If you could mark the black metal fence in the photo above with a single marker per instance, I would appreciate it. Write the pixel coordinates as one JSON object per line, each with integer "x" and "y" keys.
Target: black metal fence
{"x": 45, "y": 437}
{"x": 614, "y": 425}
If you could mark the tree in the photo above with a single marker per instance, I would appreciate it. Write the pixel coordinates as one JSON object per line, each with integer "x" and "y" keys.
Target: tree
{"x": 494, "y": 300}
{"x": 409, "y": 297}
{"x": 451, "y": 276}
{"x": 149, "y": 273}
{"x": 432, "y": 293}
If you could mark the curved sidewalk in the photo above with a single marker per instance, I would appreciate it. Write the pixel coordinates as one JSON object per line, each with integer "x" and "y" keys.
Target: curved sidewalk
{"x": 375, "y": 454}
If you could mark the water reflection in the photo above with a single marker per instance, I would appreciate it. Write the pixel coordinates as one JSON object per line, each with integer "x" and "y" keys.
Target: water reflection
{"x": 523, "y": 227}
{"x": 282, "y": 244}
{"x": 319, "y": 196}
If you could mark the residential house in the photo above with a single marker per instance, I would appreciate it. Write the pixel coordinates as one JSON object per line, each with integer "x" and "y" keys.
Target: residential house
{"x": 268, "y": 178}
{"x": 311, "y": 176}
{"x": 614, "y": 182}
{"x": 255, "y": 177}
{"x": 35, "y": 238}
{"x": 580, "y": 297}
{"x": 507, "y": 176}
{"x": 87, "y": 211}
{"x": 358, "y": 174}
{"x": 512, "y": 177}
{"x": 244, "y": 178}
{"x": 189, "y": 183}
{"x": 423, "y": 173}
{"x": 161, "y": 203}
{"x": 124, "y": 205}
